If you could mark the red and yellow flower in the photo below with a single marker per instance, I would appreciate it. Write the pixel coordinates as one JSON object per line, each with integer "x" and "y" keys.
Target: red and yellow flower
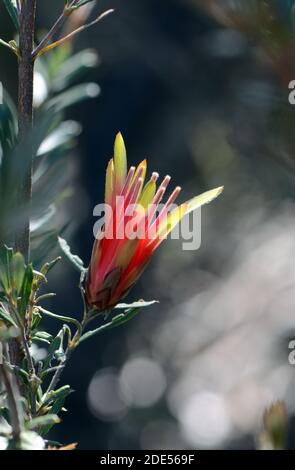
{"x": 117, "y": 262}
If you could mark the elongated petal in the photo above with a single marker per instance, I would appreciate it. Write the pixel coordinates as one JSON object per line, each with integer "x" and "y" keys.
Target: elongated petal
{"x": 120, "y": 159}
{"x": 140, "y": 171}
{"x": 167, "y": 206}
{"x": 174, "y": 217}
{"x": 203, "y": 198}
{"x": 149, "y": 191}
{"x": 109, "y": 186}
{"x": 135, "y": 187}
{"x": 128, "y": 180}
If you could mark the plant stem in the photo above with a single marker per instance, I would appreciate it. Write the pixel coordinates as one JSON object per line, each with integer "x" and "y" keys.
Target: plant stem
{"x": 25, "y": 115}
{"x": 40, "y": 51}
{"x": 32, "y": 373}
{"x": 55, "y": 28}
{"x": 55, "y": 379}
{"x": 13, "y": 402}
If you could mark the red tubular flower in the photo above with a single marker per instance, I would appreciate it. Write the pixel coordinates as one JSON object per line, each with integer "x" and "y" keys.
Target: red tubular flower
{"x": 118, "y": 261}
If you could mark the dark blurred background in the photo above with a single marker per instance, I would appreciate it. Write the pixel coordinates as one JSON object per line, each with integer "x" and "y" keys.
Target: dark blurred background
{"x": 201, "y": 89}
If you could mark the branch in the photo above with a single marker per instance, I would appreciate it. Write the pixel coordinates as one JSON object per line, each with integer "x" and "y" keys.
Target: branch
{"x": 57, "y": 375}
{"x": 32, "y": 372}
{"x": 13, "y": 402}
{"x": 67, "y": 11}
{"x": 72, "y": 34}
{"x": 25, "y": 116}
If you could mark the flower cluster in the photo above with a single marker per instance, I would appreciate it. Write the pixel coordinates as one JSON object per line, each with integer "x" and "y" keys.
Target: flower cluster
{"x": 117, "y": 262}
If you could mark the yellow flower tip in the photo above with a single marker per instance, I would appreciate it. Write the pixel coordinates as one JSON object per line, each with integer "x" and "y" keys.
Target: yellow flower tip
{"x": 220, "y": 190}
{"x": 119, "y": 147}
{"x": 120, "y": 161}
{"x": 109, "y": 185}
{"x": 143, "y": 166}
{"x": 204, "y": 198}
{"x": 119, "y": 139}
{"x": 149, "y": 191}
{"x": 140, "y": 171}
{"x": 110, "y": 164}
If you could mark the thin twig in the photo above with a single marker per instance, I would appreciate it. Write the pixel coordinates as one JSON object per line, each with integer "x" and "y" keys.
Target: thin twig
{"x": 71, "y": 347}
{"x": 28, "y": 354}
{"x": 73, "y": 33}
{"x": 55, "y": 379}
{"x": 55, "y": 28}
{"x": 18, "y": 6}
{"x": 32, "y": 371}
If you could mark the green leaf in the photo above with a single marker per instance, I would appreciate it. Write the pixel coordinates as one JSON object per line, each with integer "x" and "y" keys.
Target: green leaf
{"x": 36, "y": 320}
{"x": 4, "y": 316}
{"x": 54, "y": 346}
{"x": 8, "y": 122}
{"x": 75, "y": 69}
{"x": 18, "y": 269}
{"x": 39, "y": 277}
{"x": 138, "y": 304}
{"x": 5, "y": 274}
{"x": 61, "y": 317}
{"x": 74, "y": 259}
{"x": 59, "y": 140}
{"x": 58, "y": 394}
{"x": 58, "y": 397}
{"x": 26, "y": 289}
{"x": 43, "y": 336}
{"x": 12, "y": 10}
{"x": 48, "y": 266}
{"x": 73, "y": 96}
{"x": 42, "y": 421}
{"x": 120, "y": 319}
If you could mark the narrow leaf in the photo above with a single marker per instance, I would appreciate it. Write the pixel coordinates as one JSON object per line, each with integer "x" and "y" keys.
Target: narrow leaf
{"x": 26, "y": 289}
{"x": 74, "y": 259}
{"x": 138, "y": 304}
{"x": 41, "y": 421}
{"x": 12, "y": 10}
{"x": 4, "y": 316}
